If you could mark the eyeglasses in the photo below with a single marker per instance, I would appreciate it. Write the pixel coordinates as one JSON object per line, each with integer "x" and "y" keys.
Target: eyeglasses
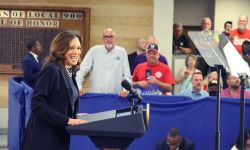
{"x": 110, "y": 36}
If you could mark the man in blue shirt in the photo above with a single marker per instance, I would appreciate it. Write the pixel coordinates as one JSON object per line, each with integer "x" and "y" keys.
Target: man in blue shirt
{"x": 197, "y": 92}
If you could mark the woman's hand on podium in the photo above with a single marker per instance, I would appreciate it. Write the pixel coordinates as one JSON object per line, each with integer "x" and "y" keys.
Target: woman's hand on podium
{"x": 81, "y": 114}
{"x": 72, "y": 122}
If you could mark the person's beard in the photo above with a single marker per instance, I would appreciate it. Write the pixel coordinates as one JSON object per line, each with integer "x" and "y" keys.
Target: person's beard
{"x": 241, "y": 27}
{"x": 152, "y": 61}
{"x": 109, "y": 46}
{"x": 198, "y": 87}
{"x": 235, "y": 87}
{"x": 213, "y": 93}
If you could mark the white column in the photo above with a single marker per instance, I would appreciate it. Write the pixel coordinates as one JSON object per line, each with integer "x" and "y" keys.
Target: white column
{"x": 163, "y": 26}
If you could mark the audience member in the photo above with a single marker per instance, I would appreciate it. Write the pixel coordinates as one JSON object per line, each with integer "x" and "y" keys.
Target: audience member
{"x": 184, "y": 75}
{"x": 107, "y": 64}
{"x": 233, "y": 89}
{"x": 246, "y": 145}
{"x": 152, "y": 40}
{"x": 240, "y": 34}
{"x": 181, "y": 44}
{"x": 153, "y": 77}
{"x": 246, "y": 51}
{"x": 246, "y": 57}
{"x": 142, "y": 58}
{"x": 174, "y": 141}
{"x": 212, "y": 87}
{"x": 211, "y": 78}
{"x": 55, "y": 98}
{"x": 206, "y": 26}
{"x": 141, "y": 45}
{"x": 32, "y": 63}
{"x": 228, "y": 25}
{"x": 197, "y": 92}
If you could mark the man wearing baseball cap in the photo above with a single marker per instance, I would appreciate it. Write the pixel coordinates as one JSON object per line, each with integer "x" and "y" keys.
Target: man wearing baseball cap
{"x": 142, "y": 57}
{"x": 153, "y": 77}
{"x": 212, "y": 88}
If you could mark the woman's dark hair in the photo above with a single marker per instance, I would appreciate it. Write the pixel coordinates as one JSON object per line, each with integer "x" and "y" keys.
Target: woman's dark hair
{"x": 246, "y": 137}
{"x": 228, "y": 22}
{"x": 59, "y": 46}
{"x": 31, "y": 44}
{"x": 246, "y": 48}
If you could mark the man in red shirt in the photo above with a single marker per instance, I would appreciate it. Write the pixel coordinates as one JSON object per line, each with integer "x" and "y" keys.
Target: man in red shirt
{"x": 240, "y": 34}
{"x": 152, "y": 77}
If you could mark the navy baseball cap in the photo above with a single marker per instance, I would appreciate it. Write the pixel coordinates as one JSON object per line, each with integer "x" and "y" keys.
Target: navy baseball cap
{"x": 152, "y": 47}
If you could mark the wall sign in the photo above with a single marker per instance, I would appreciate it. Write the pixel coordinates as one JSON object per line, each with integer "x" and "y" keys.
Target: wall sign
{"x": 20, "y": 24}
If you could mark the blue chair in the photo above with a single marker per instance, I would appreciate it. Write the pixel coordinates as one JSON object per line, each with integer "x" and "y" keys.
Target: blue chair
{"x": 16, "y": 118}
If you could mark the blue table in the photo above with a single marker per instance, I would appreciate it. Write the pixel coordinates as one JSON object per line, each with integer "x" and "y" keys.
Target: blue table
{"x": 195, "y": 119}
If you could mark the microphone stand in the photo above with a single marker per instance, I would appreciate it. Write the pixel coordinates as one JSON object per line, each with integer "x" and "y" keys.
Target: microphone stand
{"x": 243, "y": 77}
{"x": 133, "y": 104}
{"x": 217, "y": 130}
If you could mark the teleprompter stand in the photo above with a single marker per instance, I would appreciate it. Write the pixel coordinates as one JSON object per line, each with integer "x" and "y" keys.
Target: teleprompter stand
{"x": 218, "y": 52}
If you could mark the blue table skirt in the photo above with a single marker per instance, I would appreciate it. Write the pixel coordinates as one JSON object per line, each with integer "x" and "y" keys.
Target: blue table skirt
{"x": 195, "y": 119}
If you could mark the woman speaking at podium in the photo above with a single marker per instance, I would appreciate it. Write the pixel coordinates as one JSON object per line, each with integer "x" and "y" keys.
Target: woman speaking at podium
{"x": 55, "y": 97}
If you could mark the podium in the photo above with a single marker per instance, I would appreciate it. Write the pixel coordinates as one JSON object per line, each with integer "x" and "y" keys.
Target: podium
{"x": 114, "y": 129}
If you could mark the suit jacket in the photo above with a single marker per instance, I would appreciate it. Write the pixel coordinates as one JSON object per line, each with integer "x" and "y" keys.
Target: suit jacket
{"x": 185, "y": 144}
{"x": 131, "y": 58}
{"x": 52, "y": 106}
{"x": 31, "y": 69}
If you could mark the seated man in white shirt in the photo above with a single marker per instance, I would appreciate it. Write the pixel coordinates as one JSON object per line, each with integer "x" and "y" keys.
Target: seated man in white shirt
{"x": 107, "y": 64}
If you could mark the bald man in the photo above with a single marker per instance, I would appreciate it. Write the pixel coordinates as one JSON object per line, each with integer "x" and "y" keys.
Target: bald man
{"x": 107, "y": 65}
{"x": 240, "y": 34}
{"x": 139, "y": 59}
{"x": 141, "y": 44}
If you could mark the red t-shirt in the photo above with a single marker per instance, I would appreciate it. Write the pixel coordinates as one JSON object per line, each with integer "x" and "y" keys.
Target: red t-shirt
{"x": 239, "y": 38}
{"x": 161, "y": 72}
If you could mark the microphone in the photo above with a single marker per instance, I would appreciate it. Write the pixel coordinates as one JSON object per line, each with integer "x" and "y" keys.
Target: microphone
{"x": 133, "y": 91}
